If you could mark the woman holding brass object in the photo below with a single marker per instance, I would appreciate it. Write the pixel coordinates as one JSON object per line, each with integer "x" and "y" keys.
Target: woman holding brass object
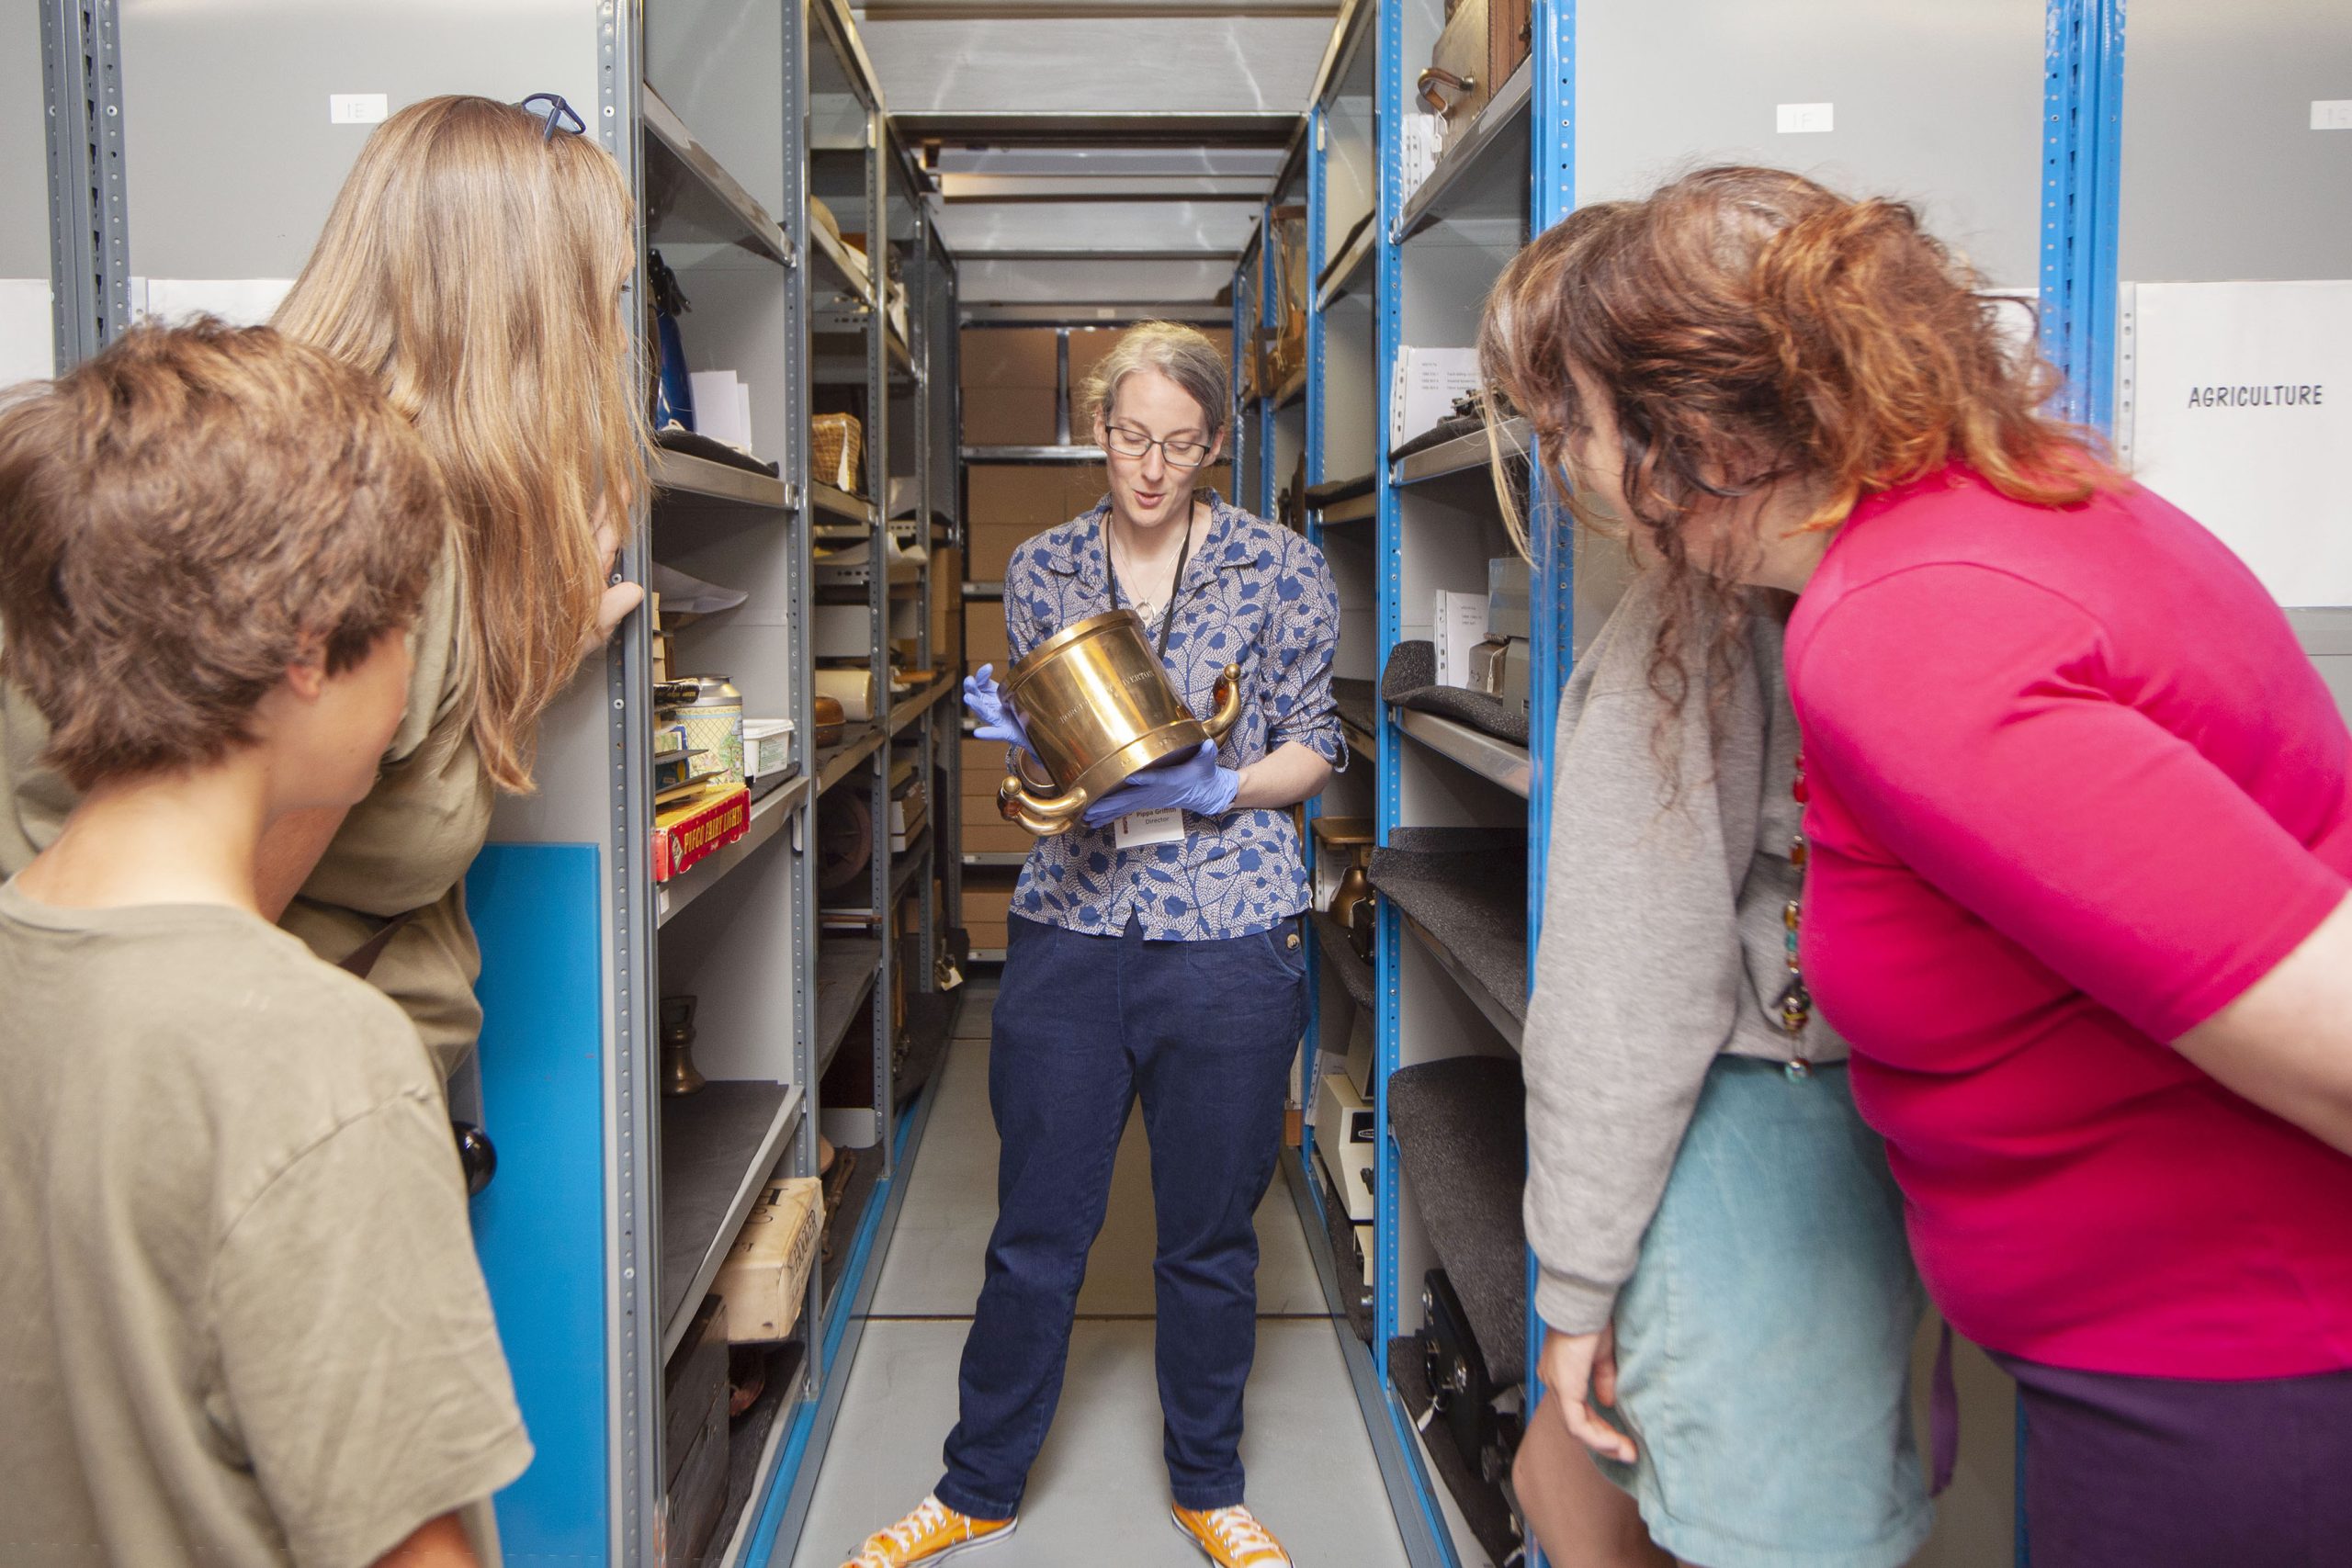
{"x": 1155, "y": 949}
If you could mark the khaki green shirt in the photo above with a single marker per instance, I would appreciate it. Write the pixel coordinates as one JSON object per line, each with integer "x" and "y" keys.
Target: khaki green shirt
{"x": 405, "y": 847}
{"x": 241, "y": 1320}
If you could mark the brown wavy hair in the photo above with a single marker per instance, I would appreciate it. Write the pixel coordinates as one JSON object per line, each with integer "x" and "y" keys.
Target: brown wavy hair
{"x": 184, "y": 517}
{"x": 1752, "y": 329}
{"x": 474, "y": 266}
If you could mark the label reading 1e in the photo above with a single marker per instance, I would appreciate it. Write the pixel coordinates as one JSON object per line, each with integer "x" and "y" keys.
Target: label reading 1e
{"x": 357, "y": 109}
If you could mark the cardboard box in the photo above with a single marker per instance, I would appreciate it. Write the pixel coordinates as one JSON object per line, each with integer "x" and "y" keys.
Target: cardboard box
{"x": 987, "y": 897}
{"x": 1345, "y": 1140}
{"x": 991, "y": 834}
{"x": 993, "y": 357}
{"x": 698, "y": 828}
{"x": 985, "y": 642}
{"x": 765, "y": 1275}
{"x": 992, "y": 547}
{"x": 1001, "y": 494}
{"x": 947, "y": 606}
{"x": 1010, "y": 416}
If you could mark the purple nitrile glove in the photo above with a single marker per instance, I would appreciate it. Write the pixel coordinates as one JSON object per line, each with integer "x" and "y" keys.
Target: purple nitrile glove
{"x": 1196, "y": 785}
{"x": 998, "y": 721}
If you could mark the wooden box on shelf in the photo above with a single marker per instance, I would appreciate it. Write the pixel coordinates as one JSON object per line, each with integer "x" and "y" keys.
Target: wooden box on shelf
{"x": 766, "y": 1276}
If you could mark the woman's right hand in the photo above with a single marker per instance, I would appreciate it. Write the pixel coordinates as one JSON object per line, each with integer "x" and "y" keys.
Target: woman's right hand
{"x": 998, "y": 721}
{"x": 1580, "y": 1367}
{"x": 619, "y": 598}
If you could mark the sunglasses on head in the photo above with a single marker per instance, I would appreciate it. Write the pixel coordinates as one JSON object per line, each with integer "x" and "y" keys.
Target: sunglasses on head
{"x": 560, "y": 114}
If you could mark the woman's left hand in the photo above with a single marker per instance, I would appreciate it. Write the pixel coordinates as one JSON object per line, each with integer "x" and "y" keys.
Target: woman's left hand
{"x": 1196, "y": 785}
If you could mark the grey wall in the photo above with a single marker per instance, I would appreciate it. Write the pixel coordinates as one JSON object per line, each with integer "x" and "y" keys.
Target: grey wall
{"x": 1938, "y": 101}
{"x": 720, "y": 63}
{"x": 2222, "y": 176}
{"x": 231, "y": 163}
{"x": 24, "y": 148}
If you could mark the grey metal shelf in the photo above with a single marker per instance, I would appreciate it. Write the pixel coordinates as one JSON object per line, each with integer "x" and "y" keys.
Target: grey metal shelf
{"x": 1441, "y": 195}
{"x": 688, "y": 194}
{"x": 1351, "y": 269}
{"x": 837, "y": 763}
{"x": 1355, "y": 509}
{"x": 683, "y": 477}
{"x": 1498, "y": 761}
{"x": 719, "y": 1147}
{"x": 983, "y": 589}
{"x": 1463, "y": 453}
{"x": 1003, "y": 859}
{"x": 831, "y": 502}
{"x": 845, "y": 971}
{"x": 905, "y": 711}
{"x": 769, "y": 814}
{"x": 1033, "y": 455}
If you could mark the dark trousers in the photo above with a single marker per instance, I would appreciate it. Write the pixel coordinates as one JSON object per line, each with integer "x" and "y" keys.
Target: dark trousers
{"x": 1205, "y": 1032}
{"x": 2180, "y": 1472}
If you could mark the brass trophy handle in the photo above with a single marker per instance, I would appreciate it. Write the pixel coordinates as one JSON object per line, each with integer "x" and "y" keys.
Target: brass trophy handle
{"x": 1043, "y": 815}
{"x": 1017, "y": 799}
{"x": 1229, "y": 703}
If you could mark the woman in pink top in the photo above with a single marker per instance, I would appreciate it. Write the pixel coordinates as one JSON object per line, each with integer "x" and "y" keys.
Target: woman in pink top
{"x": 2079, "y": 829}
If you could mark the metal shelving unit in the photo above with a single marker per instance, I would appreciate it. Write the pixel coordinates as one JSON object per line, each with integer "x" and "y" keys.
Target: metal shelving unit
{"x": 614, "y": 1205}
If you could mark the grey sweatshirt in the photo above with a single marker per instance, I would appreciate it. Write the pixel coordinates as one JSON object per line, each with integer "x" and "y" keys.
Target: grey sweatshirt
{"x": 1663, "y": 941}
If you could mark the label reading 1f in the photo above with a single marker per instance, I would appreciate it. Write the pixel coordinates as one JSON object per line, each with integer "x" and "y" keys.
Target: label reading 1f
{"x": 1797, "y": 119}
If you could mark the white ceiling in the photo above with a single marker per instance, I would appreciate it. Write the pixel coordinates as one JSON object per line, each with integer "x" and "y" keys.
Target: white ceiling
{"x": 1125, "y": 216}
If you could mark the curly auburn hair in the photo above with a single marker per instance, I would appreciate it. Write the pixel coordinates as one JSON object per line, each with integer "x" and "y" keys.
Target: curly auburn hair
{"x": 1750, "y": 329}
{"x": 184, "y": 517}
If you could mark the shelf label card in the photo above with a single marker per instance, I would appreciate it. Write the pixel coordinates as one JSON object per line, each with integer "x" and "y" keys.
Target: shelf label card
{"x": 1800, "y": 119}
{"x": 2237, "y": 409}
{"x": 357, "y": 109}
{"x": 2332, "y": 114}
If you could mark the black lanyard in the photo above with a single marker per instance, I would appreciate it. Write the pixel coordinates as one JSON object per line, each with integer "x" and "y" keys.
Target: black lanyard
{"x": 1175, "y": 589}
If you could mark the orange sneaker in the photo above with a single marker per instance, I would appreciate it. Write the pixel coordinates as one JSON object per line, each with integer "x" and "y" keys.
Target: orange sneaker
{"x": 933, "y": 1533}
{"x": 1231, "y": 1537}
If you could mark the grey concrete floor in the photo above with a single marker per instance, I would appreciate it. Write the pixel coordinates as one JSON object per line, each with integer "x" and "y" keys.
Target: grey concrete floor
{"x": 1099, "y": 1493}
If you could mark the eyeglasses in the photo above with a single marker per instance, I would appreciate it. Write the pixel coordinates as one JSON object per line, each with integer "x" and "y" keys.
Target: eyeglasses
{"x": 1180, "y": 452}
{"x": 560, "y": 114}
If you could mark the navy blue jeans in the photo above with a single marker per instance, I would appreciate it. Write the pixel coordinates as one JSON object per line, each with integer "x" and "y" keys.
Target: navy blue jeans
{"x": 1205, "y": 1033}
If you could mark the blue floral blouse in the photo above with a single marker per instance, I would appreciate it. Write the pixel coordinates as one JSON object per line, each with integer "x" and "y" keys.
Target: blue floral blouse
{"x": 1255, "y": 595}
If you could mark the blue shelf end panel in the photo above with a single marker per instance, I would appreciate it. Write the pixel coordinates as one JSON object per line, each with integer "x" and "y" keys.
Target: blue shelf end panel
{"x": 539, "y": 1226}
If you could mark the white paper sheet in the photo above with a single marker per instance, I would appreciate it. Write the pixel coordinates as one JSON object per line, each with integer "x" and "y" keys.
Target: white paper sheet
{"x": 2236, "y": 407}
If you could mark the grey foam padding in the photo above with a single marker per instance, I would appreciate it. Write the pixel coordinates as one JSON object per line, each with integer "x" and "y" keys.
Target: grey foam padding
{"x": 1355, "y": 702}
{"x": 1411, "y": 680}
{"x": 1354, "y": 1300}
{"x": 1483, "y": 1507}
{"x": 1332, "y": 492}
{"x": 1460, "y": 1130}
{"x": 1340, "y": 957}
{"x": 1468, "y": 886}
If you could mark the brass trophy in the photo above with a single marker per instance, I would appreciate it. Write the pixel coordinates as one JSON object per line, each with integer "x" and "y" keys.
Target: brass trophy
{"x": 1099, "y": 708}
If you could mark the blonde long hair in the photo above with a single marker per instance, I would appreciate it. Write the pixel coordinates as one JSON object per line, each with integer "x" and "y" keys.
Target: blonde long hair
{"x": 475, "y": 267}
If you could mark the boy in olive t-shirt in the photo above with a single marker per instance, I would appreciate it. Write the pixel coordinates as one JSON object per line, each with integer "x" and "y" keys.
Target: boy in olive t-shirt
{"x": 241, "y": 1320}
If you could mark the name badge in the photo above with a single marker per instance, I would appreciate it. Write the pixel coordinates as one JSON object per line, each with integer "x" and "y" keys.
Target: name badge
{"x": 1140, "y": 828}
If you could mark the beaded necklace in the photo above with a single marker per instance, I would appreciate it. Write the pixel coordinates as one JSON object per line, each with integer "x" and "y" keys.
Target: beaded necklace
{"x": 1796, "y": 1002}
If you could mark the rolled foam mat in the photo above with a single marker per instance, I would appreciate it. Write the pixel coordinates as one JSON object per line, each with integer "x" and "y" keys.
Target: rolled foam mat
{"x": 1460, "y": 1125}
{"x": 1468, "y": 886}
{"x": 1411, "y": 680}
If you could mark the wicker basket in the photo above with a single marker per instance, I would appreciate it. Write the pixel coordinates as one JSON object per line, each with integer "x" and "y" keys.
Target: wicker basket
{"x": 836, "y": 449}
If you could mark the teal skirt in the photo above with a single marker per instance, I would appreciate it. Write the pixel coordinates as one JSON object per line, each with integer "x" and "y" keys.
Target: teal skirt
{"x": 1764, "y": 1341}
